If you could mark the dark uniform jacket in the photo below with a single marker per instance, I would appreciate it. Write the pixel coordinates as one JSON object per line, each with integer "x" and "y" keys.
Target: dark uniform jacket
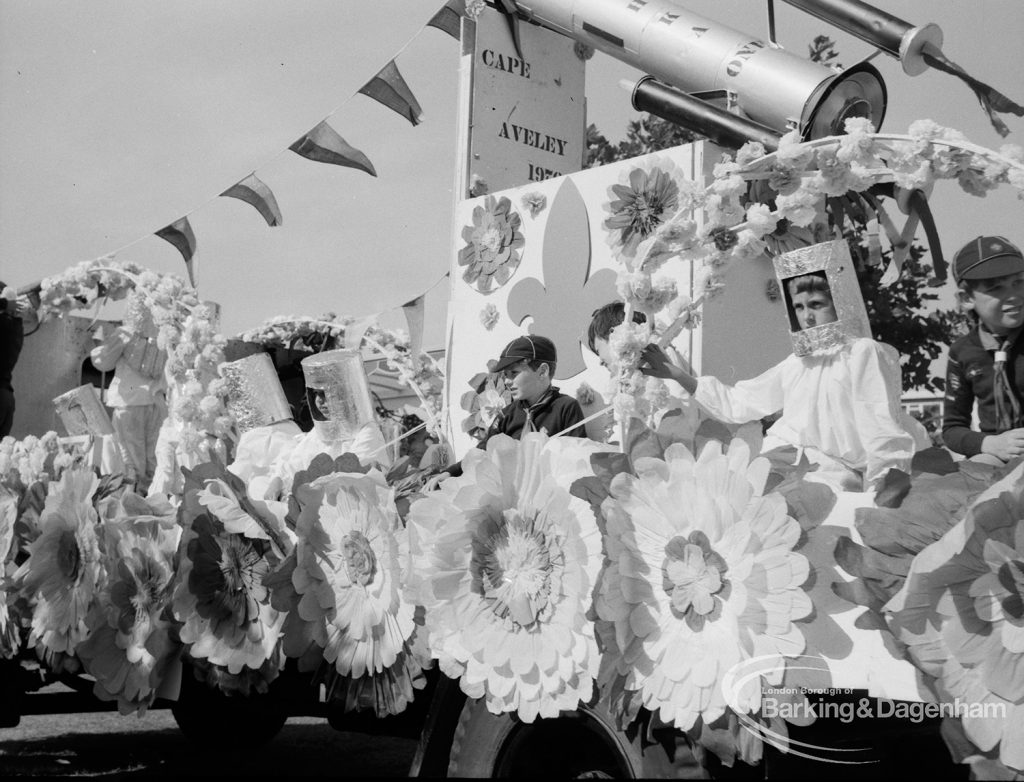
{"x": 969, "y": 377}
{"x": 553, "y": 413}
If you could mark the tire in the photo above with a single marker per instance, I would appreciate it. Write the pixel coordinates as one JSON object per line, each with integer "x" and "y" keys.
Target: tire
{"x": 214, "y": 720}
{"x": 580, "y": 744}
{"x": 12, "y": 691}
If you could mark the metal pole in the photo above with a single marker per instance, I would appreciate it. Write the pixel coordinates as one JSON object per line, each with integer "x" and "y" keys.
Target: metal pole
{"x": 889, "y": 33}
{"x": 720, "y": 126}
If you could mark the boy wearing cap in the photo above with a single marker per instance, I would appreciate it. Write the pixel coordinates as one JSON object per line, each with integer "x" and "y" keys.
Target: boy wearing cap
{"x": 528, "y": 365}
{"x": 987, "y": 365}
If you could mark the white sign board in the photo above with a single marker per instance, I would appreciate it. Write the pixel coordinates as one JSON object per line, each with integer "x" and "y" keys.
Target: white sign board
{"x": 527, "y": 113}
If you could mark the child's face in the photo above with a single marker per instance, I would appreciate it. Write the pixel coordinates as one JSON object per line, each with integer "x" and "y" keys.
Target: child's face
{"x": 525, "y": 383}
{"x": 998, "y": 302}
{"x": 604, "y": 352}
{"x": 813, "y": 308}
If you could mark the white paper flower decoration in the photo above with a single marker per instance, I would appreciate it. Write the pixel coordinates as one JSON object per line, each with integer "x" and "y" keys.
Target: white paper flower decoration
{"x": 505, "y": 560}
{"x": 351, "y": 545}
{"x": 64, "y": 572}
{"x": 961, "y": 614}
{"x": 131, "y": 645}
{"x": 702, "y": 576}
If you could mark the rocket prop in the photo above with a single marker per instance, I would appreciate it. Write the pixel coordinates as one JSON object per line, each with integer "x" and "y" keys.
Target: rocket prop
{"x": 770, "y": 86}
{"x": 691, "y": 53}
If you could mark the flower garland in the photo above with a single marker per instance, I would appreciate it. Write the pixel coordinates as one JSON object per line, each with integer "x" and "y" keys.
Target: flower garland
{"x": 31, "y": 459}
{"x": 802, "y": 174}
{"x": 185, "y": 329}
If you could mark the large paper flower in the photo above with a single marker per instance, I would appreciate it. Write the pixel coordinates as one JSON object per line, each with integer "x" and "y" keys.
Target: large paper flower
{"x": 487, "y": 397}
{"x": 131, "y": 647}
{"x": 226, "y": 550}
{"x": 504, "y": 561}
{"x": 63, "y": 572}
{"x": 702, "y": 577}
{"x": 639, "y": 207}
{"x": 961, "y": 615}
{"x": 906, "y": 518}
{"x": 347, "y": 574}
{"x": 10, "y": 638}
{"x": 493, "y": 241}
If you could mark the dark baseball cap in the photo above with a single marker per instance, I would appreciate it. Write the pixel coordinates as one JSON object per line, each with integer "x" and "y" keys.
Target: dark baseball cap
{"x": 986, "y": 257}
{"x": 527, "y": 348}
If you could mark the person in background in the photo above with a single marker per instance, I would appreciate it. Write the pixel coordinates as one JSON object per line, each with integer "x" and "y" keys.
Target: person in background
{"x": 137, "y": 392}
{"x": 986, "y": 366}
{"x": 12, "y": 337}
{"x": 602, "y": 322}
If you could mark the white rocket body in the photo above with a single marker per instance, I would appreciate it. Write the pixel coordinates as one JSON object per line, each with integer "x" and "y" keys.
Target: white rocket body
{"x": 693, "y": 53}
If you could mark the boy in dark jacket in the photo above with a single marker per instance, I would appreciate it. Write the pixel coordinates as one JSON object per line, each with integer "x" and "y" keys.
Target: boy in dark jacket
{"x": 987, "y": 365}
{"x": 528, "y": 364}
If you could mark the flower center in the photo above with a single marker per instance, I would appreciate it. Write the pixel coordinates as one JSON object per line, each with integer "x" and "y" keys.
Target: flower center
{"x": 513, "y": 570}
{"x": 68, "y": 555}
{"x": 643, "y": 211}
{"x": 239, "y": 566}
{"x": 693, "y": 576}
{"x": 360, "y": 561}
{"x": 1011, "y": 577}
{"x": 490, "y": 240}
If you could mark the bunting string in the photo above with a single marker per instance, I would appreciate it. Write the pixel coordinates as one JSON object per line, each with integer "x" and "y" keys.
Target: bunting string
{"x": 321, "y": 143}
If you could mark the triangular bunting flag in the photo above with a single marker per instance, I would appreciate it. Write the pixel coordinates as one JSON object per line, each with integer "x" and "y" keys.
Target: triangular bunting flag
{"x": 447, "y": 20}
{"x": 324, "y": 145}
{"x": 255, "y": 192}
{"x": 414, "y": 311}
{"x": 390, "y": 88}
{"x": 179, "y": 233}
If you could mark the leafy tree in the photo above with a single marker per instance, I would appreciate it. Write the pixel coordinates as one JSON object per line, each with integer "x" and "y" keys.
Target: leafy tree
{"x": 647, "y": 134}
{"x": 902, "y": 314}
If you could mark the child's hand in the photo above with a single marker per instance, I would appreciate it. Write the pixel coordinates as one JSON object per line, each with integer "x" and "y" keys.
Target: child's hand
{"x": 654, "y": 363}
{"x": 1006, "y": 446}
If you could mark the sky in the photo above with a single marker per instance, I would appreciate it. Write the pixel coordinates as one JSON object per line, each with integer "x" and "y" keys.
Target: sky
{"x": 119, "y": 118}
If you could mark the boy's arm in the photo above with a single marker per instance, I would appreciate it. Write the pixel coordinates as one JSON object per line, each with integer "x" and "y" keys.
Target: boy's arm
{"x": 957, "y": 434}
{"x": 656, "y": 363}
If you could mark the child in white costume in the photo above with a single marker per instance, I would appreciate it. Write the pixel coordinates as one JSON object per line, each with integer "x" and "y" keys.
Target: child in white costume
{"x": 839, "y": 392}
{"x": 137, "y": 392}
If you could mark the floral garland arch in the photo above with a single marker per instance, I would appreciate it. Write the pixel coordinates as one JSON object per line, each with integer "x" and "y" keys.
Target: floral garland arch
{"x": 803, "y": 174}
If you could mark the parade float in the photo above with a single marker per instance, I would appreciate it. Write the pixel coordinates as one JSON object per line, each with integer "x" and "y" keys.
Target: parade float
{"x": 687, "y": 599}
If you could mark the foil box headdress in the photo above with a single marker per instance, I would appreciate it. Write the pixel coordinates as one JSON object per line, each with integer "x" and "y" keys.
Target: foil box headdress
{"x": 832, "y": 258}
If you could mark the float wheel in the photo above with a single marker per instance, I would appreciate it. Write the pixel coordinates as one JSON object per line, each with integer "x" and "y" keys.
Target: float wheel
{"x": 576, "y": 745}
